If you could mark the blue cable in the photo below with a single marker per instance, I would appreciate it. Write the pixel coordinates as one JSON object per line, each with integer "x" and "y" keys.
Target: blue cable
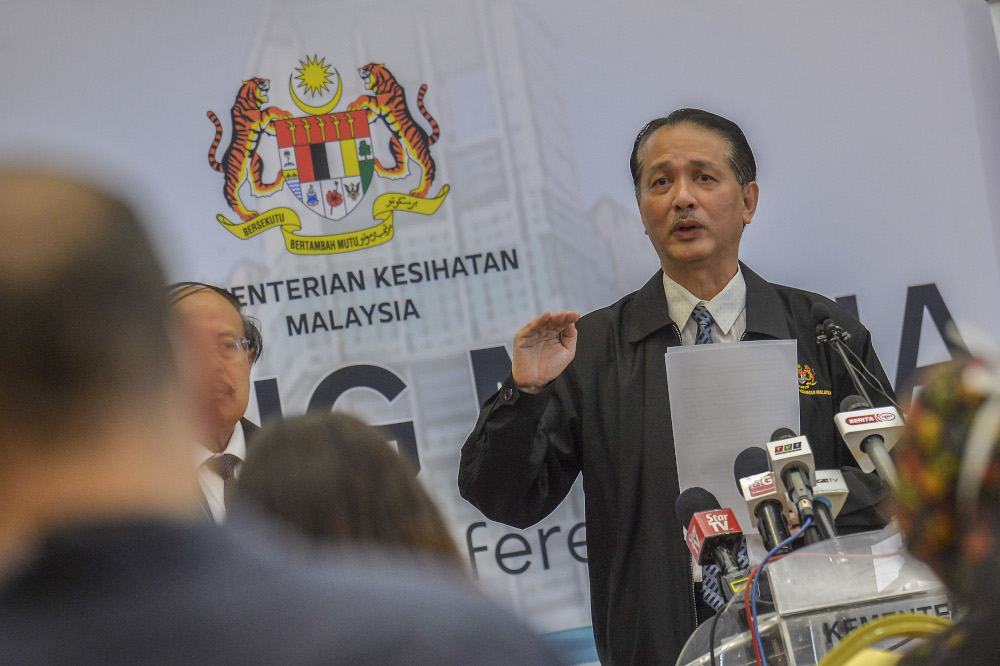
{"x": 753, "y": 586}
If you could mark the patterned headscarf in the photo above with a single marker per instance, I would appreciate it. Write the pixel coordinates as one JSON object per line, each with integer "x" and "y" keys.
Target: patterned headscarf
{"x": 948, "y": 503}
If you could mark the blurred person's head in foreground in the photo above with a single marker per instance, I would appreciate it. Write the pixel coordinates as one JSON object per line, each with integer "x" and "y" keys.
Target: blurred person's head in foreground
{"x": 87, "y": 382}
{"x": 334, "y": 479}
{"x": 948, "y": 504}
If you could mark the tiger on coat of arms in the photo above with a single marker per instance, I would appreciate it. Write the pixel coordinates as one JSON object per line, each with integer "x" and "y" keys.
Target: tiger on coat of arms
{"x": 409, "y": 140}
{"x": 241, "y": 160}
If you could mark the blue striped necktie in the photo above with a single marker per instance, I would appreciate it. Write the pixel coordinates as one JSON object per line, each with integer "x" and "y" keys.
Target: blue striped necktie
{"x": 703, "y": 318}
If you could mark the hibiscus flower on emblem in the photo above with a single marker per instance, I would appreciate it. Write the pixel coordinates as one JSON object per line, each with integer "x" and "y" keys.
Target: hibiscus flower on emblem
{"x": 334, "y": 199}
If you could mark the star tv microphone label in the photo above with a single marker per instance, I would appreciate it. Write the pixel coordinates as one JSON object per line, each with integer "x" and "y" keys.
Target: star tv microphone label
{"x": 719, "y": 522}
{"x": 694, "y": 542}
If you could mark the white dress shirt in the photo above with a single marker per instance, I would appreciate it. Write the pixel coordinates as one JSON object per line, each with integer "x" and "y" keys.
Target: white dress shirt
{"x": 728, "y": 310}
{"x": 211, "y": 483}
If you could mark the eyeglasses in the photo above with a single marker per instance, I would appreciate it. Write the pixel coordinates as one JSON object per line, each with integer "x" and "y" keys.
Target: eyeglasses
{"x": 231, "y": 348}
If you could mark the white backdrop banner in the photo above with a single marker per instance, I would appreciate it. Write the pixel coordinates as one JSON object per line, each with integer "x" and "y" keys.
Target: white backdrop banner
{"x": 394, "y": 188}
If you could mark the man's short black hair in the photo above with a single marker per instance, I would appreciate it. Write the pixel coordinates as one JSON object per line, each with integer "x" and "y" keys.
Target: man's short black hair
{"x": 178, "y": 291}
{"x": 740, "y": 155}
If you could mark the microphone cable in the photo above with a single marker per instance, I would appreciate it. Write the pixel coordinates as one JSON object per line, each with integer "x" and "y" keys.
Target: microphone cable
{"x": 751, "y": 593}
{"x": 870, "y": 377}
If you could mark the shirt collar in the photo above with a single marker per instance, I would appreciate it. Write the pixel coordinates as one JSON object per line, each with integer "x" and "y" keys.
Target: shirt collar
{"x": 237, "y": 446}
{"x": 725, "y": 308}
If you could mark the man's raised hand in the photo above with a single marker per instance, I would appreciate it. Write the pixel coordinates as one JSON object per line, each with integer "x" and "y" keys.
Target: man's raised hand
{"x": 543, "y": 348}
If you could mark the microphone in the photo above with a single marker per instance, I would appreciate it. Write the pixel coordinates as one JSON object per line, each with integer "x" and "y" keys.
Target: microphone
{"x": 827, "y": 331}
{"x": 831, "y": 489}
{"x": 825, "y": 328}
{"x": 794, "y": 468}
{"x": 756, "y": 482}
{"x": 713, "y": 537}
{"x": 870, "y": 433}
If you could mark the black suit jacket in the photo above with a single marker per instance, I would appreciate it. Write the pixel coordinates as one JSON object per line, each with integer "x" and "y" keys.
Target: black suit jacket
{"x": 250, "y": 430}
{"x": 160, "y": 592}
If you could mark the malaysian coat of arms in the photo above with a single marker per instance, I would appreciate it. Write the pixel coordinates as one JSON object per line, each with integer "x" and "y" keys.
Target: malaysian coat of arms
{"x": 326, "y": 158}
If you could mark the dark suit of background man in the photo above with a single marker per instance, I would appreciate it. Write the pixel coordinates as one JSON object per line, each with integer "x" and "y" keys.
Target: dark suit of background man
{"x": 219, "y": 345}
{"x": 105, "y": 557}
{"x": 597, "y": 402}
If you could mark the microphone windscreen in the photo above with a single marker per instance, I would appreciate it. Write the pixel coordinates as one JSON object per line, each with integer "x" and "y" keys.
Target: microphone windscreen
{"x": 782, "y": 433}
{"x": 692, "y": 501}
{"x": 820, "y": 313}
{"x": 852, "y": 402}
{"x": 752, "y": 460}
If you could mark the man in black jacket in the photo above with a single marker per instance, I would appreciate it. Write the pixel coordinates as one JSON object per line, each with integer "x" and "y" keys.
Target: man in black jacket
{"x": 590, "y": 394}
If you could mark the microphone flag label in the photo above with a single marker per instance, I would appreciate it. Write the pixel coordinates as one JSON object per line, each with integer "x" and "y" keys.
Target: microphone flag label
{"x": 762, "y": 484}
{"x": 694, "y": 541}
{"x": 791, "y": 447}
{"x": 709, "y": 529}
{"x": 879, "y": 417}
{"x": 718, "y": 522}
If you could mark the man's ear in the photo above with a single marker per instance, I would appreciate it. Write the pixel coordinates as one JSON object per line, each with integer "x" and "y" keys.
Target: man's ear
{"x": 750, "y": 194}
{"x": 638, "y": 205}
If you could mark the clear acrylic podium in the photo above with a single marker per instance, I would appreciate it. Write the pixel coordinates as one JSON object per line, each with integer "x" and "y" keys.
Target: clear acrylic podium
{"x": 810, "y": 599}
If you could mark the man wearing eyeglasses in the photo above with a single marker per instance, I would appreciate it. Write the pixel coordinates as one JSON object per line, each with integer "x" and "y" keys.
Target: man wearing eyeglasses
{"x": 220, "y": 344}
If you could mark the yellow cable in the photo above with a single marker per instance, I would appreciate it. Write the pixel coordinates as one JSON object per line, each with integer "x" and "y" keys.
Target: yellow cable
{"x": 913, "y": 625}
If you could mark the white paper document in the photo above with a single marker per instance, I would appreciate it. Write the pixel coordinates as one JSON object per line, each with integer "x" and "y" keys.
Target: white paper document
{"x": 723, "y": 399}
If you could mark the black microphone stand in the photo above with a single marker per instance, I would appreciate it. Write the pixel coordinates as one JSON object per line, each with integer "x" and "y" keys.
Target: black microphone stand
{"x": 835, "y": 336}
